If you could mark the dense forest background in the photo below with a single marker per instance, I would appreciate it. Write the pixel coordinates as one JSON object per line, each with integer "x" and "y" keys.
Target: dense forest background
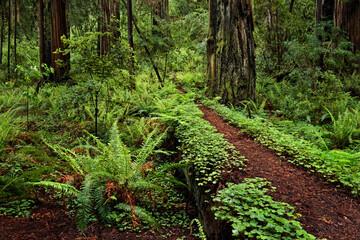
{"x": 89, "y": 105}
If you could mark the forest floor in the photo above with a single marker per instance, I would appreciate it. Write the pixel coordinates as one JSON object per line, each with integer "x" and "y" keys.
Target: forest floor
{"x": 50, "y": 221}
{"x": 327, "y": 211}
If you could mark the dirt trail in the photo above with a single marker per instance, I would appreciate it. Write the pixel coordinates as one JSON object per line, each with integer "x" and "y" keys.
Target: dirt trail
{"x": 327, "y": 211}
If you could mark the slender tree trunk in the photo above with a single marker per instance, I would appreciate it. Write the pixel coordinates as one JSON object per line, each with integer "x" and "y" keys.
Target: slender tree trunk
{"x": 41, "y": 34}
{"x": 231, "y": 51}
{"x": 212, "y": 84}
{"x": 15, "y": 32}
{"x": 291, "y": 8}
{"x": 318, "y": 11}
{"x": 130, "y": 34}
{"x": 146, "y": 49}
{"x": 58, "y": 29}
{"x": 347, "y": 17}
{"x": 2, "y": 34}
{"x": 9, "y": 37}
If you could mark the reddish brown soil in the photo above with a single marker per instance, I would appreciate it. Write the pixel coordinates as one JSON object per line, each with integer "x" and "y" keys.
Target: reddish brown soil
{"x": 327, "y": 211}
{"x": 50, "y": 222}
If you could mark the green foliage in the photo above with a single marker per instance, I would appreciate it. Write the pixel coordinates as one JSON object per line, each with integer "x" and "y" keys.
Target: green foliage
{"x": 274, "y": 25}
{"x": 201, "y": 234}
{"x": 17, "y": 208}
{"x": 107, "y": 170}
{"x": 8, "y": 127}
{"x": 206, "y": 150}
{"x": 345, "y": 127}
{"x": 254, "y": 214}
{"x": 86, "y": 59}
{"x": 297, "y": 150}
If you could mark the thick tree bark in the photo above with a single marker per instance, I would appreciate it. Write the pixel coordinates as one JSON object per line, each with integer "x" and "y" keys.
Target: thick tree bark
{"x": 231, "y": 51}
{"x": 58, "y": 29}
{"x": 347, "y": 17}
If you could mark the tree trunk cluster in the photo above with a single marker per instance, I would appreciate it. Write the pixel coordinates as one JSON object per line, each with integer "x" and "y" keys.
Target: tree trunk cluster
{"x": 344, "y": 14}
{"x": 110, "y": 10}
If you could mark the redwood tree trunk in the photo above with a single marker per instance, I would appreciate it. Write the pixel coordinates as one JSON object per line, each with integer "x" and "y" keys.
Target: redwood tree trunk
{"x": 231, "y": 51}
{"x": 58, "y": 29}
{"x": 347, "y": 17}
{"x": 109, "y": 9}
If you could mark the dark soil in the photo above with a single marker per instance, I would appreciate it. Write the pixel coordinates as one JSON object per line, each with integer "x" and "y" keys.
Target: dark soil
{"x": 327, "y": 211}
{"x": 49, "y": 221}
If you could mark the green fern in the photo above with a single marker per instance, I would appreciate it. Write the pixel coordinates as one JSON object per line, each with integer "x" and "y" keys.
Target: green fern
{"x": 201, "y": 230}
{"x": 85, "y": 204}
{"x": 102, "y": 164}
{"x": 7, "y": 127}
{"x": 64, "y": 189}
{"x": 140, "y": 212}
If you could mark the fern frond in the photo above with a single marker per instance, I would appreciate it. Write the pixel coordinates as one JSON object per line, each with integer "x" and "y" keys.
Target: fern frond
{"x": 68, "y": 155}
{"x": 147, "y": 185}
{"x": 201, "y": 230}
{"x": 148, "y": 146}
{"x": 140, "y": 213}
{"x": 85, "y": 204}
{"x": 100, "y": 204}
{"x": 120, "y": 153}
{"x": 62, "y": 188}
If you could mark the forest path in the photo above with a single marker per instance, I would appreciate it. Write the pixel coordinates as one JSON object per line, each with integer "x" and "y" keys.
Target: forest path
{"x": 327, "y": 212}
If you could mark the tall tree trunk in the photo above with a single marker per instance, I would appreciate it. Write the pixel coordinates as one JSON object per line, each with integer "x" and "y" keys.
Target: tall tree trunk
{"x": 104, "y": 39}
{"x": 130, "y": 34}
{"x": 41, "y": 34}
{"x": 347, "y": 17}
{"x": 9, "y": 37}
{"x": 15, "y": 31}
{"x": 231, "y": 51}
{"x": 109, "y": 9}
{"x": 58, "y": 29}
{"x": 2, "y": 33}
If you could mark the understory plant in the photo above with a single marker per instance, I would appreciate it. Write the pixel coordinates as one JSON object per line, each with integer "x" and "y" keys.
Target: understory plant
{"x": 7, "y": 127}
{"x": 107, "y": 177}
{"x": 254, "y": 214}
{"x": 206, "y": 150}
{"x": 297, "y": 150}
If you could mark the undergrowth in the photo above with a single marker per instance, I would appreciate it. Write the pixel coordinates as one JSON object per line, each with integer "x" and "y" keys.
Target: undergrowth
{"x": 336, "y": 165}
{"x": 254, "y": 214}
